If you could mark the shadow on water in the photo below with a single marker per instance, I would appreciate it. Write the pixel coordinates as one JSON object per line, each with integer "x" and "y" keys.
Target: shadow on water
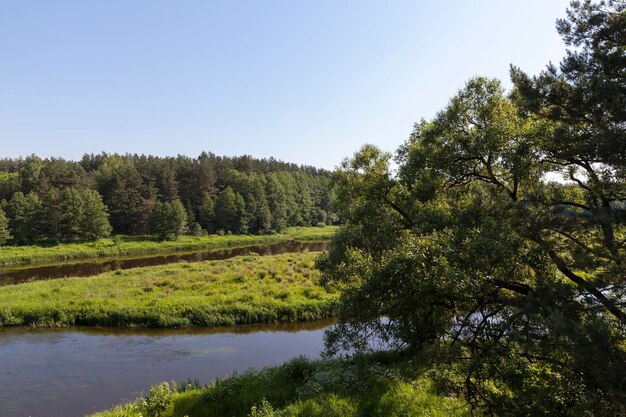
{"x": 84, "y": 269}
{"x": 71, "y": 372}
{"x": 7, "y": 332}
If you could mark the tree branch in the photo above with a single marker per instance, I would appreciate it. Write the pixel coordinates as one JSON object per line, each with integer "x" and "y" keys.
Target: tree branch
{"x": 580, "y": 281}
{"x": 571, "y": 203}
{"x": 399, "y": 210}
{"x": 518, "y": 287}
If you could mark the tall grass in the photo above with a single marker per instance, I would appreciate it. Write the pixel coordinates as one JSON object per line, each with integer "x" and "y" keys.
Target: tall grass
{"x": 375, "y": 385}
{"x": 242, "y": 290}
{"x": 142, "y": 245}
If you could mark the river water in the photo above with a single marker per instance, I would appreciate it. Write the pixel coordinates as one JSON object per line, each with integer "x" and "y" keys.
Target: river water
{"x": 71, "y": 372}
{"x": 91, "y": 267}
{"x": 75, "y": 371}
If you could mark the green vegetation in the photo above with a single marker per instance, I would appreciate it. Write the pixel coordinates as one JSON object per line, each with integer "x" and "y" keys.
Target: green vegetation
{"x": 59, "y": 215}
{"x": 54, "y": 200}
{"x": 230, "y": 211}
{"x": 474, "y": 253}
{"x": 511, "y": 283}
{"x": 242, "y": 290}
{"x": 23, "y": 213}
{"x": 376, "y": 385}
{"x": 5, "y": 235}
{"x": 167, "y": 220}
{"x": 137, "y": 246}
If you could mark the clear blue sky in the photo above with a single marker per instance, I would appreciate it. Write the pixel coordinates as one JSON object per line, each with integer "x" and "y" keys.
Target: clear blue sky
{"x": 306, "y": 82}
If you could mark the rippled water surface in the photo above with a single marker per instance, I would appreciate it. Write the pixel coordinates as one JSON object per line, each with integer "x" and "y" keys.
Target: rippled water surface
{"x": 75, "y": 371}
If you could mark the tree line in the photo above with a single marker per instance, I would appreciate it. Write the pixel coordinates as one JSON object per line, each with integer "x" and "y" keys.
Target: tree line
{"x": 57, "y": 200}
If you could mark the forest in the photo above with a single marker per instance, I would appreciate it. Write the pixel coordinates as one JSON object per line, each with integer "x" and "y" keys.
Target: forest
{"x": 55, "y": 200}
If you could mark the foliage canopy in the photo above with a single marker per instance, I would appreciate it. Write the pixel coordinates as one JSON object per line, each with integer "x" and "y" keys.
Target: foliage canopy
{"x": 42, "y": 198}
{"x": 472, "y": 249}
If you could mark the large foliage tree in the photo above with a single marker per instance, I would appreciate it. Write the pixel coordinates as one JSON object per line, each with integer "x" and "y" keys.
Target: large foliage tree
{"x": 230, "y": 212}
{"x": 470, "y": 249}
{"x": 74, "y": 215}
{"x": 168, "y": 220}
{"x": 24, "y": 213}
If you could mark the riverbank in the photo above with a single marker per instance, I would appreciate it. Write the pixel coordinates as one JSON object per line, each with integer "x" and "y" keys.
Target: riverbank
{"x": 241, "y": 290}
{"x": 375, "y": 385}
{"x": 125, "y": 246}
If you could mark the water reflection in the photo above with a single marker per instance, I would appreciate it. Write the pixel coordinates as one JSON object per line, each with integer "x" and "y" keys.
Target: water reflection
{"x": 75, "y": 371}
{"x": 84, "y": 269}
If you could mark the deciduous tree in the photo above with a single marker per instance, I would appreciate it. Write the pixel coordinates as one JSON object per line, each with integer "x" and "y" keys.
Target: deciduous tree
{"x": 168, "y": 220}
{"x": 469, "y": 249}
{"x": 24, "y": 213}
{"x": 95, "y": 222}
{"x": 5, "y": 234}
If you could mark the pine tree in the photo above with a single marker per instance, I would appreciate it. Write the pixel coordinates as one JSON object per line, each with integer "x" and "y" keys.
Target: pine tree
{"x": 585, "y": 96}
{"x": 127, "y": 197}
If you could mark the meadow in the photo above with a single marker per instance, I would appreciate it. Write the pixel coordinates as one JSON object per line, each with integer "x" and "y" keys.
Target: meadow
{"x": 126, "y": 246}
{"x": 382, "y": 384}
{"x": 241, "y": 290}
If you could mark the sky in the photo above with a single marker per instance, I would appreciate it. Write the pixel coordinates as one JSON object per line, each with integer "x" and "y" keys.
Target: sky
{"x": 308, "y": 82}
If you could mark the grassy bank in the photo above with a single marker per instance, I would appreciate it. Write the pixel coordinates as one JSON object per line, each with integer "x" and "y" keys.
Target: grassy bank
{"x": 242, "y": 290}
{"x": 376, "y": 385}
{"x": 141, "y": 245}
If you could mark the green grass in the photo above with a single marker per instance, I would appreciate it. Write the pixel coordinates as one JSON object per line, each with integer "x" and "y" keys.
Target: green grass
{"x": 142, "y": 245}
{"x": 374, "y": 385}
{"x": 241, "y": 290}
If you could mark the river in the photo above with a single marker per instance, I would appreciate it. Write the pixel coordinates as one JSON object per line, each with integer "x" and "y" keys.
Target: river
{"x": 71, "y": 372}
{"x": 91, "y": 267}
{"x": 75, "y": 371}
